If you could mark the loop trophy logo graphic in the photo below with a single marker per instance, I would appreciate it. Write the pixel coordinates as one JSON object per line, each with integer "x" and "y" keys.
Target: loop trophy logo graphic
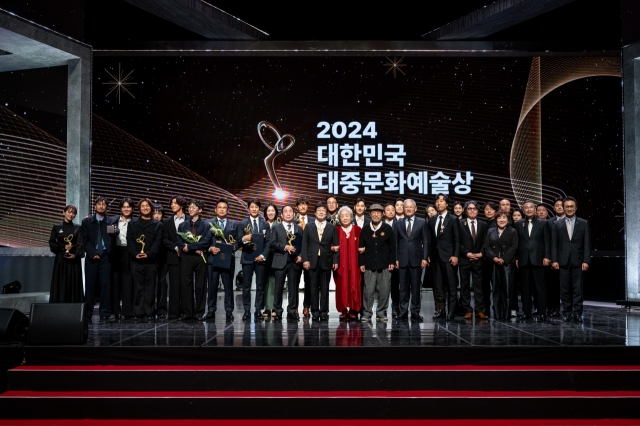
{"x": 276, "y": 148}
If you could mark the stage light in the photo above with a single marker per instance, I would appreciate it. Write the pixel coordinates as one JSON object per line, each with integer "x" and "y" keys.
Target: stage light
{"x": 280, "y": 194}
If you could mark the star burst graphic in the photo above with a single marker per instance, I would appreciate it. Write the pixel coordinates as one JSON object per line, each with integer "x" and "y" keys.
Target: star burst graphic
{"x": 394, "y": 65}
{"x": 119, "y": 84}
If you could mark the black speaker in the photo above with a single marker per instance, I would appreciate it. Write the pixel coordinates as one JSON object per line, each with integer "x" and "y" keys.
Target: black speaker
{"x": 57, "y": 324}
{"x": 14, "y": 326}
{"x": 13, "y": 287}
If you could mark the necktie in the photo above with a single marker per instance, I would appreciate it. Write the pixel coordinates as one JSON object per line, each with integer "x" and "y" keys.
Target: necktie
{"x": 409, "y": 227}
{"x": 473, "y": 230}
{"x": 319, "y": 238}
{"x": 302, "y": 224}
{"x": 530, "y": 227}
{"x": 193, "y": 228}
{"x": 100, "y": 249}
{"x": 439, "y": 225}
{"x": 569, "y": 228}
{"x": 289, "y": 227}
{"x": 255, "y": 227}
{"x": 222, "y": 224}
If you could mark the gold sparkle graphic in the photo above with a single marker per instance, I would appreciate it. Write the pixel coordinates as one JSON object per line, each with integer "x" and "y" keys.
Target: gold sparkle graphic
{"x": 119, "y": 84}
{"x": 394, "y": 65}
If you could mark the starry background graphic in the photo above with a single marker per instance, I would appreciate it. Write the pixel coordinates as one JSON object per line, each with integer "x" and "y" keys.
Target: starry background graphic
{"x": 455, "y": 113}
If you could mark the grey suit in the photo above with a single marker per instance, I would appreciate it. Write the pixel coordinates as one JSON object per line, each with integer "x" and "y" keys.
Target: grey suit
{"x": 571, "y": 253}
{"x": 411, "y": 251}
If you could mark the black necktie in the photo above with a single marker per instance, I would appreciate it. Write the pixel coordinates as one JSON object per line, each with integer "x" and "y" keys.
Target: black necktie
{"x": 193, "y": 228}
{"x": 473, "y": 230}
{"x": 289, "y": 227}
{"x": 255, "y": 227}
{"x": 439, "y": 225}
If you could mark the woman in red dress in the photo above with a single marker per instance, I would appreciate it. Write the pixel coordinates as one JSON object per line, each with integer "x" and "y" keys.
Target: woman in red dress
{"x": 347, "y": 276}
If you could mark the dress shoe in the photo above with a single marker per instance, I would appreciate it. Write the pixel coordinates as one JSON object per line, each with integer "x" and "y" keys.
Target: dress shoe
{"x": 296, "y": 314}
{"x": 344, "y": 314}
{"x": 201, "y": 318}
{"x": 229, "y": 316}
{"x": 578, "y": 318}
{"x": 316, "y": 317}
{"x": 416, "y": 318}
{"x": 567, "y": 318}
{"x": 104, "y": 318}
{"x": 451, "y": 316}
{"x": 468, "y": 315}
{"x": 353, "y": 315}
{"x": 439, "y": 315}
{"x": 383, "y": 319}
{"x": 267, "y": 313}
{"x": 365, "y": 319}
{"x": 403, "y": 317}
{"x": 278, "y": 317}
{"x": 305, "y": 312}
{"x": 162, "y": 316}
{"x": 150, "y": 318}
{"x": 258, "y": 314}
{"x": 291, "y": 316}
{"x": 209, "y": 316}
{"x": 542, "y": 318}
{"x": 324, "y": 317}
{"x": 524, "y": 316}
{"x": 481, "y": 315}
{"x": 555, "y": 314}
{"x": 247, "y": 315}
{"x": 184, "y": 318}
{"x": 394, "y": 315}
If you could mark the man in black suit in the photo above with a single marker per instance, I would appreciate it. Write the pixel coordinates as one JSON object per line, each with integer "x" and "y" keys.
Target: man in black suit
{"x": 332, "y": 210}
{"x": 214, "y": 274}
{"x": 178, "y": 205}
{"x": 319, "y": 255}
{"x": 445, "y": 251}
{"x": 253, "y": 261}
{"x": 412, "y": 248}
{"x": 571, "y": 253}
{"x": 552, "y": 276}
{"x": 286, "y": 261}
{"x": 534, "y": 253}
{"x": 358, "y": 217}
{"x": 98, "y": 234}
{"x": 303, "y": 218}
{"x": 194, "y": 267}
{"x": 472, "y": 234}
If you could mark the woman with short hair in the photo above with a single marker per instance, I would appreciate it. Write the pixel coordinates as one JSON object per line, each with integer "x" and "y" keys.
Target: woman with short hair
{"x": 347, "y": 277}
{"x": 65, "y": 242}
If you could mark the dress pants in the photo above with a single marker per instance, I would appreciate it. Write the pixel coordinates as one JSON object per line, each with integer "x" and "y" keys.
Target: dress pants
{"x": 175, "y": 280}
{"x": 376, "y": 280}
{"x": 144, "y": 279}
{"x": 306, "y": 302}
{"x": 532, "y": 282}
{"x": 571, "y": 289}
{"x": 214, "y": 276}
{"x": 97, "y": 272}
{"x": 292, "y": 288}
{"x": 471, "y": 274}
{"x": 320, "y": 290}
{"x": 247, "y": 277}
{"x": 445, "y": 285}
{"x": 394, "y": 289}
{"x": 193, "y": 266}
{"x": 552, "y": 277}
{"x": 487, "y": 276}
{"x": 503, "y": 286}
{"x": 122, "y": 283}
{"x": 161, "y": 289}
{"x": 409, "y": 290}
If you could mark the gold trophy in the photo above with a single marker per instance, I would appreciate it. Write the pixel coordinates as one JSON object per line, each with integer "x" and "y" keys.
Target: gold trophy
{"x": 290, "y": 237}
{"x": 68, "y": 240}
{"x": 250, "y": 244}
{"x": 140, "y": 240}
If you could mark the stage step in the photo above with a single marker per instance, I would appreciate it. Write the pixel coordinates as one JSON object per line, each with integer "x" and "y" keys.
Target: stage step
{"x": 328, "y": 405}
{"x": 324, "y": 378}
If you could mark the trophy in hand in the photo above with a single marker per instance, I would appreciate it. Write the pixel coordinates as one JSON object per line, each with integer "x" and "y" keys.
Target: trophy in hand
{"x": 250, "y": 244}
{"x": 140, "y": 240}
{"x": 290, "y": 237}
{"x": 68, "y": 240}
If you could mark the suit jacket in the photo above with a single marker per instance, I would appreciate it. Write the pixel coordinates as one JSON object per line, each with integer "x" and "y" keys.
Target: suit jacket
{"x": 466, "y": 241}
{"x": 90, "y": 235}
{"x": 278, "y": 240}
{"x": 169, "y": 239}
{"x": 367, "y": 221}
{"x": 503, "y": 246}
{"x": 230, "y": 230}
{"x": 576, "y": 250}
{"x": 533, "y": 249}
{"x": 311, "y": 244}
{"x": 153, "y": 232}
{"x": 446, "y": 242}
{"x": 412, "y": 250}
{"x": 263, "y": 228}
{"x": 380, "y": 250}
{"x": 201, "y": 229}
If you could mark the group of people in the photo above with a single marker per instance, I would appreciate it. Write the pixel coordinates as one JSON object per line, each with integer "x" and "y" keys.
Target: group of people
{"x": 380, "y": 257}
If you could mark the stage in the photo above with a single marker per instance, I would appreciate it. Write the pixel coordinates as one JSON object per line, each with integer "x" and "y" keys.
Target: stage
{"x": 604, "y": 325}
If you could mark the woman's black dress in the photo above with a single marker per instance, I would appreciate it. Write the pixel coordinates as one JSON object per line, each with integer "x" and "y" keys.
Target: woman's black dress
{"x": 66, "y": 281}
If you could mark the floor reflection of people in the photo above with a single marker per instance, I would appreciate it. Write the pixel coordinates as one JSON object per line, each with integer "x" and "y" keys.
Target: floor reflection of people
{"x": 349, "y": 333}
{"x": 316, "y": 333}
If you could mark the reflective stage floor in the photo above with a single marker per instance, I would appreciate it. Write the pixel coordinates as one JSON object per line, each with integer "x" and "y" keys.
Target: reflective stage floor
{"x": 604, "y": 325}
